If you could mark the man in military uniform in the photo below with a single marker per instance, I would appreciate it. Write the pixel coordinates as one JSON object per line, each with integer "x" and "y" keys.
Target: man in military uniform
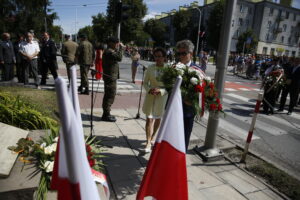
{"x": 111, "y": 56}
{"x": 85, "y": 55}
{"x": 68, "y": 53}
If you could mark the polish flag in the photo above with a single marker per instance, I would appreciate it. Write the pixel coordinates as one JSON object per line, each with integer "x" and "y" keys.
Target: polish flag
{"x": 72, "y": 175}
{"x": 166, "y": 176}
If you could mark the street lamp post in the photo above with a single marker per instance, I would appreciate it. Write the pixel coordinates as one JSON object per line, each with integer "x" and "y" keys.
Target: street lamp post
{"x": 198, "y": 33}
{"x": 84, "y": 5}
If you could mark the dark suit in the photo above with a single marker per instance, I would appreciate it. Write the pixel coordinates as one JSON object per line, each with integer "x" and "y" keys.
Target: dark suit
{"x": 294, "y": 88}
{"x": 48, "y": 59}
{"x": 188, "y": 118}
{"x": 7, "y": 56}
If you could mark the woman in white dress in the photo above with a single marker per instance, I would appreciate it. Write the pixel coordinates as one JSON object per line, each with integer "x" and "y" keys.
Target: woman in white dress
{"x": 156, "y": 96}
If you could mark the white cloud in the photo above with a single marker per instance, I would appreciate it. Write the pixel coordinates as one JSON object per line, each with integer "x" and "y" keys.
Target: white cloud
{"x": 150, "y": 15}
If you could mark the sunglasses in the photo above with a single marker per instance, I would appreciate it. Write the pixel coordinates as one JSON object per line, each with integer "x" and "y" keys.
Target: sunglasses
{"x": 184, "y": 53}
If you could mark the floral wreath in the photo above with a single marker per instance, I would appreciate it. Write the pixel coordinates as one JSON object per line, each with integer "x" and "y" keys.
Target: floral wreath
{"x": 197, "y": 89}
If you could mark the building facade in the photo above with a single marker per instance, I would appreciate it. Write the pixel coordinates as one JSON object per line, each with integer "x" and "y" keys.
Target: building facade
{"x": 276, "y": 26}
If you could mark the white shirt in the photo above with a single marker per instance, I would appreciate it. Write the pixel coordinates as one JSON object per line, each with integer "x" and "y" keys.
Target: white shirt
{"x": 30, "y": 48}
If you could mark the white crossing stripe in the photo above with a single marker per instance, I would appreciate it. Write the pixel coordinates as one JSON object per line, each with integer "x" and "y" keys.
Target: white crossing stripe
{"x": 244, "y": 89}
{"x": 231, "y": 89}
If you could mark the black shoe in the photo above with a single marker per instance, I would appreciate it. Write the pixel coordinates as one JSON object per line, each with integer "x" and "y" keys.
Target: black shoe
{"x": 289, "y": 113}
{"x": 86, "y": 92}
{"x": 108, "y": 118}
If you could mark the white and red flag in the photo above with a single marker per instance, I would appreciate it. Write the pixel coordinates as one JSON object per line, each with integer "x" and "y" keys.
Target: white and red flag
{"x": 166, "y": 176}
{"x": 72, "y": 175}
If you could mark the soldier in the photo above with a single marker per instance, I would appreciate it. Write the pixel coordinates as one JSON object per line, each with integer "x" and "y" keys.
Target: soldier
{"x": 111, "y": 56}
{"x": 68, "y": 53}
{"x": 85, "y": 55}
{"x": 48, "y": 58}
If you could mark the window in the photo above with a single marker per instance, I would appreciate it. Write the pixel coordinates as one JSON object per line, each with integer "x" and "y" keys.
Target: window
{"x": 232, "y": 25}
{"x": 241, "y": 8}
{"x": 295, "y": 16}
{"x": 271, "y": 12}
{"x": 287, "y": 15}
{"x": 240, "y": 21}
{"x": 267, "y": 36}
{"x": 292, "y": 29}
{"x": 265, "y": 50}
{"x": 293, "y": 53}
{"x": 250, "y": 11}
{"x": 279, "y": 12}
{"x": 247, "y": 22}
{"x": 269, "y": 24}
{"x": 272, "y": 51}
{"x": 287, "y": 53}
{"x": 237, "y": 33}
{"x": 282, "y": 39}
{"x": 274, "y": 37}
{"x": 289, "y": 40}
{"x": 284, "y": 28}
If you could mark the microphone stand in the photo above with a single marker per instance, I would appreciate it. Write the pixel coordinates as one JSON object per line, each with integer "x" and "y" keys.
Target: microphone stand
{"x": 138, "y": 112}
{"x": 93, "y": 73}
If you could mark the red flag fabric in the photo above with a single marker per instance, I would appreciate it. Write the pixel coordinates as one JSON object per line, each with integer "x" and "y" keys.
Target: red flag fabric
{"x": 166, "y": 177}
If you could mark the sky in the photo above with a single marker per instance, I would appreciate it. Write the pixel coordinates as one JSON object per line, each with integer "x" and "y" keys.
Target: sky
{"x": 70, "y": 11}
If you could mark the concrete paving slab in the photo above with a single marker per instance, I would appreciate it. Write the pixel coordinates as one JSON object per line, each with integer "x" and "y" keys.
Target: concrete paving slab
{"x": 124, "y": 169}
{"x": 127, "y": 189}
{"x": 116, "y": 152}
{"x": 194, "y": 193}
{"x": 244, "y": 186}
{"x": 266, "y": 194}
{"x": 201, "y": 178}
{"x": 223, "y": 192}
{"x": 193, "y": 160}
{"x": 220, "y": 166}
{"x": 105, "y": 127}
{"x": 9, "y": 137}
{"x": 242, "y": 175}
{"x": 129, "y": 129}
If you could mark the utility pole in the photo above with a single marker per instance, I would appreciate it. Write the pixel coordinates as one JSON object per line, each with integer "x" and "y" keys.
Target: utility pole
{"x": 199, "y": 24}
{"x": 209, "y": 150}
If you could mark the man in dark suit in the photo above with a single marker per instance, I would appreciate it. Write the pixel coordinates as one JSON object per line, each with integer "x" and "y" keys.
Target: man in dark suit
{"x": 184, "y": 54}
{"x": 48, "y": 58}
{"x": 7, "y": 57}
{"x": 294, "y": 86}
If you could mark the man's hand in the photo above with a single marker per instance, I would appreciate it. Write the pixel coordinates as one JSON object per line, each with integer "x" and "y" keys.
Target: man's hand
{"x": 154, "y": 91}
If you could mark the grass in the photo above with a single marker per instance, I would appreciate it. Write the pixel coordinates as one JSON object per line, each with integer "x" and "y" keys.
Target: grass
{"x": 280, "y": 180}
{"x": 41, "y": 100}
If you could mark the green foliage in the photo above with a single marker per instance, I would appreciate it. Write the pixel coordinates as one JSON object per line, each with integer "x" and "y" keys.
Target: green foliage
{"x": 182, "y": 23}
{"x": 14, "y": 111}
{"x": 214, "y": 24}
{"x": 88, "y": 31}
{"x": 249, "y": 48}
{"x": 156, "y": 29}
{"x": 19, "y": 16}
{"x": 101, "y": 27}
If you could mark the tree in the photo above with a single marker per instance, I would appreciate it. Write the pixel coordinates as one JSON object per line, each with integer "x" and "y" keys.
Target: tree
{"x": 19, "y": 16}
{"x": 156, "y": 30}
{"x": 88, "y": 31}
{"x": 244, "y": 38}
{"x": 214, "y": 24}
{"x": 55, "y": 33}
{"x": 182, "y": 23}
{"x": 131, "y": 28}
{"x": 101, "y": 27}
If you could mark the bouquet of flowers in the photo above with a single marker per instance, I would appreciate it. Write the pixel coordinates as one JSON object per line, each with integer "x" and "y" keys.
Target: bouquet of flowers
{"x": 42, "y": 155}
{"x": 196, "y": 88}
{"x": 275, "y": 78}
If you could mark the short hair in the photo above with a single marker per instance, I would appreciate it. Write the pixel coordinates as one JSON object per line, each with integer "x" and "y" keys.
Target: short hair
{"x": 112, "y": 40}
{"x": 160, "y": 49}
{"x": 67, "y": 36}
{"x": 83, "y": 36}
{"x": 186, "y": 44}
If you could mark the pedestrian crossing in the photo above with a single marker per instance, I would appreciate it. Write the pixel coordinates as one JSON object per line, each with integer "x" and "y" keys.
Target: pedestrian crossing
{"x": 239, "y": 111}
{"x": 123, "y": 86}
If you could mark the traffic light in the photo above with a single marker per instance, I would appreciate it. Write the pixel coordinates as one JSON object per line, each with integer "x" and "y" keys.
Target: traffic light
{"x": 121, "y": 12}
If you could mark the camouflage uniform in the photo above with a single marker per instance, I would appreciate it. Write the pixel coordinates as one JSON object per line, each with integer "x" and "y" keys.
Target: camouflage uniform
{"x": 85, "y": 56}
{"x": 110, "y": 61}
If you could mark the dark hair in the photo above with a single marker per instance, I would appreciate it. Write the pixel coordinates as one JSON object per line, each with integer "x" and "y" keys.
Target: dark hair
{"x": 67, "y": 36}
{"x": 99, "y": 46}
{"x": 112, "y": 40}
{"x": 160, "y": 49}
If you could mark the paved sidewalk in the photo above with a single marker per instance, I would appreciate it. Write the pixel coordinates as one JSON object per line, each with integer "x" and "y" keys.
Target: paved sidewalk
{"x": 125, "y": 162}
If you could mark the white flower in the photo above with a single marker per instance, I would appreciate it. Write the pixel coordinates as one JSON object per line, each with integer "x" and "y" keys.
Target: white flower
{"x": 180, "y": 66}
{"x": 50, "y": 149}
{"x": 43, "y": 145}
{"x": 55, "y": 139}
{"x": 208, "y": 79}
{"x": 48, "y": 166}
{"x": 194, "y": 81}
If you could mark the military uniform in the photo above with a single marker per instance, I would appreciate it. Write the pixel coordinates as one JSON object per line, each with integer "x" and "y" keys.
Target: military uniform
{"x": 68, "y": 53}
{"x": 85, "y": 57}
{"x": 110, "y": 61}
